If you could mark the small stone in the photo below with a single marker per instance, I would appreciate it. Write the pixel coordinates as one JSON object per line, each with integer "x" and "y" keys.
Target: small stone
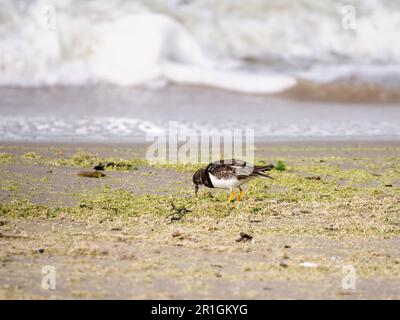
{"x": 177, "y": 234}
{"x": 99, "y": 167}
{"x": 244, "y": 237}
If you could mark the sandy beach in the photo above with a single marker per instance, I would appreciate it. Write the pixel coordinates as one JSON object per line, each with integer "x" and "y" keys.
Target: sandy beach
{"x": 336, "y": 205}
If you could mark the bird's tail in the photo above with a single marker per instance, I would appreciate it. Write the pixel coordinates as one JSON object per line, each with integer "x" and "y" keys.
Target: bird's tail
{"x": 257, "y": 173}
{"x": 264, "y": 168}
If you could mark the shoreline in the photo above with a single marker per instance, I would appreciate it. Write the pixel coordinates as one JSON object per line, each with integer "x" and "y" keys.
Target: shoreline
{"x": 273, "y": 142}
{"x": 131, "y": 114}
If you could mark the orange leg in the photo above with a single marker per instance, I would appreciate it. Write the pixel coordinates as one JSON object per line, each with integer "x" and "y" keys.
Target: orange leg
{"x": 239, "y": 195}
{"x": 231, "y": 197}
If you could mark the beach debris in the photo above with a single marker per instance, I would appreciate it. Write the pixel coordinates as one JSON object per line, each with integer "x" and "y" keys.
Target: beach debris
{"x": 178, "y": 213}
{"x": 122, "y": 165}
{"x": 287, "y": 246}
{"x": 49, "y": 171}
{"x": 175, "y": 218}
{"x": 283, "y": 265}
{"x": 91, "y": 174}
{"x": 244, "y": 237}
{"x": 317, "y": 178}
{"x": 181, "y": 210}
{"x": 308, "y": 264}
{"x": 116, "y": 229}
{"x": 99, "y": 167}
{"x": 40, "y": 250}
{"x": 388, "y": 185}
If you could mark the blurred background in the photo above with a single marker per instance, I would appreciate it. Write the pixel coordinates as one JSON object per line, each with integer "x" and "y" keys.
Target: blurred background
{"x": 117, "y": 70}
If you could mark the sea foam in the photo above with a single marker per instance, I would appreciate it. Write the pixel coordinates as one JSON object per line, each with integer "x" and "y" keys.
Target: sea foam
{"x": 251, "y": 46}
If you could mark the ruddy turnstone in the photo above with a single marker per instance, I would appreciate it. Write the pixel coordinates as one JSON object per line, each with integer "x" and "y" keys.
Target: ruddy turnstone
{"x": 229, "y": 174}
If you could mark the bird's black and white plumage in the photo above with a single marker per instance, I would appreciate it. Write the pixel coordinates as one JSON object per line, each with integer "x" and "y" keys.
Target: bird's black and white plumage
{"x": 229, "y": 174}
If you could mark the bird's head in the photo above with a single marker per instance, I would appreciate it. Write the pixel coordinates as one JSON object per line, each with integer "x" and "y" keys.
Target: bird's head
{"x": 198, "y": 179}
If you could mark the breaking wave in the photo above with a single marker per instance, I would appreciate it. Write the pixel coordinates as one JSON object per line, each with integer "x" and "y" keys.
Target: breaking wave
{"x": 251, "y": 46}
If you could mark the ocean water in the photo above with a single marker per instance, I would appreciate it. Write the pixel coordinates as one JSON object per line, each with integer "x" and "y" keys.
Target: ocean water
{"x": 117, "y": 69}
{"x": 255, "y": 46}
{"x": 120, "y": 114}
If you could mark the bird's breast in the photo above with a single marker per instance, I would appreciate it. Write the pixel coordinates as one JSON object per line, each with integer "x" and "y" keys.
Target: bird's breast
{"x": 226, "y": 183}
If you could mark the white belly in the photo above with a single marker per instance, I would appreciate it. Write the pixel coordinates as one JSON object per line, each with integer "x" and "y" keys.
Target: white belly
{"x": 227, "y": 183}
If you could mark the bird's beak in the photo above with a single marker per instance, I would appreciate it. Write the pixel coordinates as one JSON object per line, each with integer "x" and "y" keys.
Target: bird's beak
{"x": 196, "y": 189}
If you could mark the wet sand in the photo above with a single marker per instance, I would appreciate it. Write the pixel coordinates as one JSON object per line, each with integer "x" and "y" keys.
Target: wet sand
{"x": 336, "y": 205}
{"x": 111, "y": 114}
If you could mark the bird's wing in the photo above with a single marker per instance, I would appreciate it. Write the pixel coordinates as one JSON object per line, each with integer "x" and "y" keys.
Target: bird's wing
{"x": 225, "y": 169}
{"x": 235, "y": 162}
{"x": 221, "y": 170}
